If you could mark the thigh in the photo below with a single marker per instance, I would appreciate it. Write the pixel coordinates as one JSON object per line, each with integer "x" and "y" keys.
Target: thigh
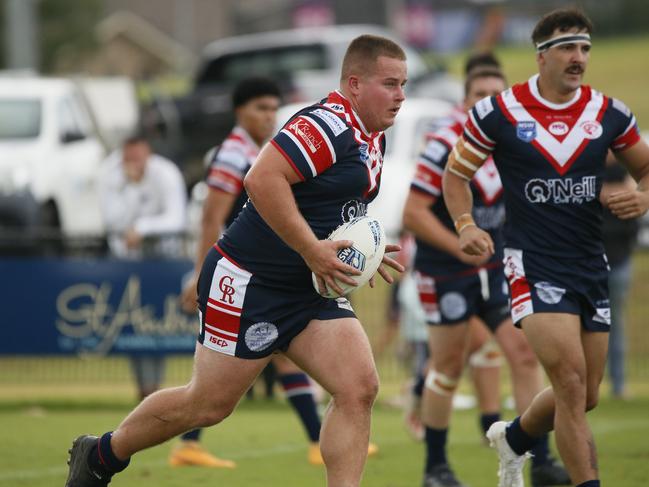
{"x": 448, "y": 345}
{"x": 335, "y": 353}
{"x": 222, "y": 377}
{"x": 284, "y": 365}
{"x": 556, "y": 341}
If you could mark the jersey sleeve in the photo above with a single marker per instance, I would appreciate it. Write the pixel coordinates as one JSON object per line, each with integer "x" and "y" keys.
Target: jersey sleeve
{"x": 629, "y": 132}
{"x": 228, "y": 166}
{"x": 430, "y": 168}
{"x": 310, "y": 141}
{"x": 478, "y": 140}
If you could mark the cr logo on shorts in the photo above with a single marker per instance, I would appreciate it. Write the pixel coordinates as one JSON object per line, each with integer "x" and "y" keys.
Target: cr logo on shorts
{"x": 225, "y": 285}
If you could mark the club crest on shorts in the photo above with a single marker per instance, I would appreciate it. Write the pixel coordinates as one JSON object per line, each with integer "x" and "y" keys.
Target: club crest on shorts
{"x": 453, "y": 305}
{"x": 548, "y": 293}
{"x": 526, "y": 131}
{"x": 260, "y": 336}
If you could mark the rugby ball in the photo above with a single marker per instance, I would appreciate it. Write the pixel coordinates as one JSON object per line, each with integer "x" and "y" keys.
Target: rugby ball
{"x": 365, "y": 254}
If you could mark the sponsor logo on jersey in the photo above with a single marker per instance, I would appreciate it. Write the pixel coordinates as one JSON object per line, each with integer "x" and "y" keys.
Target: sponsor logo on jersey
{"x": 561, "y": 190}
{"x": 592, "y": 129}
{"x": 484, "y": 107}
{"x": 558, "y": 128}
{"x": 353, "y": 209}
{"x": 335, "y": 107}
{"x": 353, "y": 257}
{"x": 302, "y": 129}
{"x": 334, "y": 122}
{"x": 526, "y": 131}
{"x": 453, "y": 305}
{"x": 363, "y": 149}
{"x": 260, "y": 336}
{"x": 548, "y": 293}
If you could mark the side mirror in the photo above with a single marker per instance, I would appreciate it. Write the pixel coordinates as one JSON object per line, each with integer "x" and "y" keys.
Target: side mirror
{"x": 68, "y": 137}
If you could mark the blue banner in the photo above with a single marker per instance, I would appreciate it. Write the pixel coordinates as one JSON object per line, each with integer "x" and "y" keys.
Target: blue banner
{"x": 93, "y": 306}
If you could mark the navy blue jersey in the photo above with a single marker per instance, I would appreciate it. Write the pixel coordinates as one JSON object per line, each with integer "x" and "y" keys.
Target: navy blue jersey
{"x": 229, "y": 164}
{"x": 339, "y": 163}
{"x": 551, "y": 159}
{"x": 488, "y": 210}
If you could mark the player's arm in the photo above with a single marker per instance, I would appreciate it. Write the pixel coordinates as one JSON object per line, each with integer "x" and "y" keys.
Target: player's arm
{"x": 216, "y": 208}
{"x": 268, "y": 184}
{"x": 418, "y": 218}
{"x": 463, "y": 162}
{"x": 633, "y": 203}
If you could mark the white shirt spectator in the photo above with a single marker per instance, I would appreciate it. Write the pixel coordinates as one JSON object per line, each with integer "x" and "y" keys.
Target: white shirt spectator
{"x": 155, "y": 206}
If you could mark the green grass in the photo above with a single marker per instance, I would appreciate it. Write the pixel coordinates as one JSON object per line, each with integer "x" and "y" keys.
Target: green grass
{"x": 269, "y": 446}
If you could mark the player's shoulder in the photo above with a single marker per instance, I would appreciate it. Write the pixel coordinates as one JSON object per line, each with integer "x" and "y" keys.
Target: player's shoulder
{"x": 325, "y": 115}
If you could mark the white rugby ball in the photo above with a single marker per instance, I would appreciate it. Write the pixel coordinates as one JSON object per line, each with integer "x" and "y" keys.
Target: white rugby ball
{"x": 365, "y": 254}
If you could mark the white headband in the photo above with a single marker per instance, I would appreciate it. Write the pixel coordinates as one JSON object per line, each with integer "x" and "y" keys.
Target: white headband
{"x": 559, "y": 40}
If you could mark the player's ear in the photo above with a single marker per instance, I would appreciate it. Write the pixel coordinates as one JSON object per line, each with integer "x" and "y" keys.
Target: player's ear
{"x": 353, "y": 83}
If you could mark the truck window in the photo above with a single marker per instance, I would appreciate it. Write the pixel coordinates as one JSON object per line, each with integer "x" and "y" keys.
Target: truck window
{"x": 20, "y": 118}
{"x": 274, "y": 62}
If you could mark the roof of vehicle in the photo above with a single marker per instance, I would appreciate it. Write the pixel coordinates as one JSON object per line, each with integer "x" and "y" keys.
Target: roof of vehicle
{"x": 19, "y": 86}
{"x": 327, "y": 35}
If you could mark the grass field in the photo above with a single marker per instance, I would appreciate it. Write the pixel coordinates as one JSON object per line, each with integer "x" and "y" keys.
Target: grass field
{"x": 269, "y": 446}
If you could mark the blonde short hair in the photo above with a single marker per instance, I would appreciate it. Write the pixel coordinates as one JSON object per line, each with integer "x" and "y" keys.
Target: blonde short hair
{"x": 363, "y": 52}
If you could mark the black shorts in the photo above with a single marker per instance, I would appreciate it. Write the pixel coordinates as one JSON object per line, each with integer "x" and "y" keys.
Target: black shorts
{"x": 243, "y": 316}
{"x": 448, "y": 300}
{"x": 543, "y": 284}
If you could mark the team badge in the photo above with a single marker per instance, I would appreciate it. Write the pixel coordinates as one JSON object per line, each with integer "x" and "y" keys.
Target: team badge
{"x": 453, "y": 305}
{"x": 548, "y": 293}
{"x": 526, "y": 131}
{"x": 592, "y": 129}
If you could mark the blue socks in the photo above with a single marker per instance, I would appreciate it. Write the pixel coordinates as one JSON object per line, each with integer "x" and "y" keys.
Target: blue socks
{"x": 486, "y": 420}
{"x": 103, "y": 461}
{"x": 589, "y": 483}
{"x": 541, "y": 451}
{"x": 518, "y": 440}
{"x": 435, "y": 447}
{"x": 192, "y": 435}
{"x": 299, "y": 393}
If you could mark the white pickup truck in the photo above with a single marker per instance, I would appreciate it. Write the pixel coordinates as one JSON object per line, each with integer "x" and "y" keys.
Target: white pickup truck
{"x": 50, "y": 147}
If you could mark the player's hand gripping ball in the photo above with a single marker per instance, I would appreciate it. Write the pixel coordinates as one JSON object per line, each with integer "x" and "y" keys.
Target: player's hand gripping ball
{"x": 365, "y": 254}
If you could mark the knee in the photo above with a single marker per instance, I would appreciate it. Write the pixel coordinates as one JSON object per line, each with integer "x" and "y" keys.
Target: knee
{"x": 568, "y": 384}
{"x": 207, "y": 410}
{"x": 441, "y": 383}
{"x": 451, "y": 365}
{"x": 360, "y": 393}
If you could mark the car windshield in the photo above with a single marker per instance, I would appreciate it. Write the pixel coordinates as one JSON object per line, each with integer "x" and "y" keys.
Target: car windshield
{"x": 19, "y": 119}
{"x": 273, "y": 62}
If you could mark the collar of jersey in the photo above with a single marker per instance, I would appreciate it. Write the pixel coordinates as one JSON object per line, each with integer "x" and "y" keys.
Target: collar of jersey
{"x": 241, "y": 132}
{"x": 533, "y": 84}
{"x": 337, "y": 97}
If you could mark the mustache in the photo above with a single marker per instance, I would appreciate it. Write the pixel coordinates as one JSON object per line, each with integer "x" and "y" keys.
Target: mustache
{"x": 575, "y": 69}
